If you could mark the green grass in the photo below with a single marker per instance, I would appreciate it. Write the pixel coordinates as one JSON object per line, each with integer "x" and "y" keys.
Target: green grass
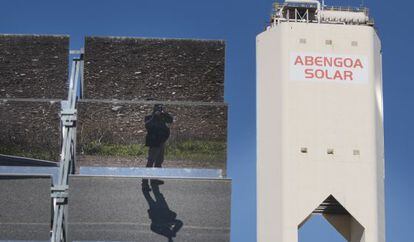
{"x": 197, "y": 151}
{"x": 95, "y": 148}
{"x": 185, "y": 150}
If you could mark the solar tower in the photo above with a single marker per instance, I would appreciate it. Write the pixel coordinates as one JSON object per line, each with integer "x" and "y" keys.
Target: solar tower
{"x": 320, "y": 122}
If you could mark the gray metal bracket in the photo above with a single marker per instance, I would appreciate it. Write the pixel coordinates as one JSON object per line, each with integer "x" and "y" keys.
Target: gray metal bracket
{"x": 60, "y": 193}
{"x": 68, "y": 117}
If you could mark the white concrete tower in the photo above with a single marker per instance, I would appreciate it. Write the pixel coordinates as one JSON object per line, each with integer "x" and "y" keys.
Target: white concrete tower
{"x": 319, "y": 123}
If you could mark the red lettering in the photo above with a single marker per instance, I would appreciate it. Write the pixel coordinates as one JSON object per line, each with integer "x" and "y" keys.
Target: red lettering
{"x": 330, "y": 68}
{"x": 309, "y": 60}
{"x": 319, "y": 74}
{"x": 318, "y": 61}
{"x": 327, "y": 61}
{"x": 338, "y": 76}
{"x": 309, "y": 74}
{"x": 348, "y": 62}
{"x": 298, "y": 61}
{"x": 358, "y": 63}
{"x": 327, "y": 75}
{"x": 338, "y": 62}
{"x": 348, "y": 74}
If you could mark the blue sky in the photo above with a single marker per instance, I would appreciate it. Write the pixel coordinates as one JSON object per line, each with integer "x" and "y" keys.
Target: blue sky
{"x": 238, "y": 22}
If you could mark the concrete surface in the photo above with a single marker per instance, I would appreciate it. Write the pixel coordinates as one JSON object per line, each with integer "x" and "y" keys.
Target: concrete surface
{"x": 25, "y": 207}
{"x": 116, "y": 209}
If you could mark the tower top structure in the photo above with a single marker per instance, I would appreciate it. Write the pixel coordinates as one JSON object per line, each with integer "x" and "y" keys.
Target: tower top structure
{"x": 313, "y": 11}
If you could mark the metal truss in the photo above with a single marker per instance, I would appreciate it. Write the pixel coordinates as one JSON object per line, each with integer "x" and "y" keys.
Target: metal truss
{"x": 67, "y": 164}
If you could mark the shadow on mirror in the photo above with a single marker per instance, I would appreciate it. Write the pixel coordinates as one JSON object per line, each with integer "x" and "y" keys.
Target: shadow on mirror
{"x": 163, "y": 220}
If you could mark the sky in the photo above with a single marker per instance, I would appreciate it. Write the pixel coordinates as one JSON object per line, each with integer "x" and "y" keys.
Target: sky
{"x": 238, "y": 23}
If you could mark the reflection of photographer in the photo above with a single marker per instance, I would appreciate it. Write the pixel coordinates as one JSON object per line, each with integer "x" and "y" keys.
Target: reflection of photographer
{"x": 158, "y": 133}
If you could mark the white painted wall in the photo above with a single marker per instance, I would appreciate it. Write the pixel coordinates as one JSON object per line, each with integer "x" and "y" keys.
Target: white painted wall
{"x": 318, "y": 115}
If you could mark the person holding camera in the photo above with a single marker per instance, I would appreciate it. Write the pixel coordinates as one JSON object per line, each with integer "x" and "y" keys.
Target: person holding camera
{"x": 158, "y": 133}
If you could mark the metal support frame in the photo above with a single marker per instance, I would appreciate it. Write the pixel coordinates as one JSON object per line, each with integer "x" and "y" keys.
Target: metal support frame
{"x": 302, "y": 18}
{"x": 68, "y": 115}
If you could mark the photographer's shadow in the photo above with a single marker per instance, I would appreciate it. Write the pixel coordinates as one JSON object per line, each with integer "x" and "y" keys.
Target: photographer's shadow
{"x": 163, "y": 220}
